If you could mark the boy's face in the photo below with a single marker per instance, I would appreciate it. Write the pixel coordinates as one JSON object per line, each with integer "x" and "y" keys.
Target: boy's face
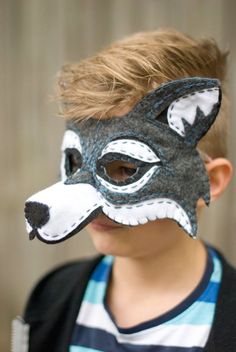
{"x": 139, "y": 167}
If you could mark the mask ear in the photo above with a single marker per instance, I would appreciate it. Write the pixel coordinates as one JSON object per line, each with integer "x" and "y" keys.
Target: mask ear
{"x": 192, "y": 115}
{"x": 188, "y": 106}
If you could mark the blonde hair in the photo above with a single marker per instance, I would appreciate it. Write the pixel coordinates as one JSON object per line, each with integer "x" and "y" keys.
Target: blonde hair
{"x": 124, "y": 72}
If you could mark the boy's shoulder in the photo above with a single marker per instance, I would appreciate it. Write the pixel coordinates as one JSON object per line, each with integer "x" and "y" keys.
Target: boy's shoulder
{"x": 58, "y": 286}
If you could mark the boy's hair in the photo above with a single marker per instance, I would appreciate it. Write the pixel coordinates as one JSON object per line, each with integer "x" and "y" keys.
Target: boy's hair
{"x": 120, "y": 75}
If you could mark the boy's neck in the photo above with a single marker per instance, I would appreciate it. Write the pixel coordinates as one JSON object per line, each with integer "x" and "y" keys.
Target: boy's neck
{"x": 167, "y": 276}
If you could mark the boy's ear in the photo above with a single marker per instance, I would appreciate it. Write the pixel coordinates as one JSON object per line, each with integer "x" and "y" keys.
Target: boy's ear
{"x": 189, "y": 105}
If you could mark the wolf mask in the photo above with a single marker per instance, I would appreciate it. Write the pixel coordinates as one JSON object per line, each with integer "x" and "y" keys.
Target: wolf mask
{"x": 159, "y": 138}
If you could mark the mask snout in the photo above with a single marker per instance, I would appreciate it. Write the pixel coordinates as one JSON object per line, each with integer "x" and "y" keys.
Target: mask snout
{"x": 60, "y": 211}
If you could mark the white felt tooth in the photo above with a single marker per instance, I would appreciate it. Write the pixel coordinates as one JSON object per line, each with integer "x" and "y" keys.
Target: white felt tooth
{"x": 183, "y": 221}
{"x": 143, "y": 221}
{"x": 188, "y": 229}
{"x": 170, "y": 209}
{"x": 133, "y": 222}
{"x": 161, "y": 210}
{"x": 152, "y": 217}
{"x": 116, "y": 218}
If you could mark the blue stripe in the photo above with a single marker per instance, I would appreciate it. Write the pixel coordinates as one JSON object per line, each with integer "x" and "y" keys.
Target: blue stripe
{"x": 211, "y": 293}
{"x": 97, "y": 339}
{"x": 95, "y": 292}
{"x": 82, "y": 349}
{"x": 199, "y": 313}
{"x": 102, "y": 270}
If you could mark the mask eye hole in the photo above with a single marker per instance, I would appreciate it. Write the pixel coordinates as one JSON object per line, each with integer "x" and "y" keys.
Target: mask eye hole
{"x": 73, "y": 161}
{"x": 119, "y": 170}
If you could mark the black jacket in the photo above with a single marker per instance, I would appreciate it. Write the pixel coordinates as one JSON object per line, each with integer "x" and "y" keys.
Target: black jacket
{"x": 54, "y": 304}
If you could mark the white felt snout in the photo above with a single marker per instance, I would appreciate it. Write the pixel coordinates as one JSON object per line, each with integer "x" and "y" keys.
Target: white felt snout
{"x": 69, "y": 206}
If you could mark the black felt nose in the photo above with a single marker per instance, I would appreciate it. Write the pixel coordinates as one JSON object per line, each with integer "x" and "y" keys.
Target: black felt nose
{"x": 37, "y": 214}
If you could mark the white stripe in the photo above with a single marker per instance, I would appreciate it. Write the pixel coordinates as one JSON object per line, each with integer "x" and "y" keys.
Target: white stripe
{"x": 95, "y": 316}
{"x": 217, "y": 273}
{"x": 132, "y": 148}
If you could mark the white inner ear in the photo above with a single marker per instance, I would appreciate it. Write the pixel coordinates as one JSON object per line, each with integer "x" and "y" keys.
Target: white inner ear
{"x": 186, "y": 106}
{"x": 132, "y": 148}
{"x": 70, "y": 140}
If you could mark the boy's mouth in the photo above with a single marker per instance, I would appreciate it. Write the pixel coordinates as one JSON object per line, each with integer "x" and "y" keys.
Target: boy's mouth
{"x": 102, "y": 223}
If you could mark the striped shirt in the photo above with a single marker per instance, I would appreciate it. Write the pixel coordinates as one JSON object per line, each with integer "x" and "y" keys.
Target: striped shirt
{"x": 184, "y": 328}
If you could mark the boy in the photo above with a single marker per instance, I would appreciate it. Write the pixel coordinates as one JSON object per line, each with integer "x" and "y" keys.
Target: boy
{"x": 156, "y": 288}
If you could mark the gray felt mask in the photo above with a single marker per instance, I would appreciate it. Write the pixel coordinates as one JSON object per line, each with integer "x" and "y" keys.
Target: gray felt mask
{"x": 158, "y": 137}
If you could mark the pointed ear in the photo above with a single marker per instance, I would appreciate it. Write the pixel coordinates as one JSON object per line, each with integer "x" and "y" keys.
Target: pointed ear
{"x": 192, "y": 115}
{"x": 189, "y": 106}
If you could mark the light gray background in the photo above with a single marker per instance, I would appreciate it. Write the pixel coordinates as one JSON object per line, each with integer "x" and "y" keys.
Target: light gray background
{"x": 37, "y": 37}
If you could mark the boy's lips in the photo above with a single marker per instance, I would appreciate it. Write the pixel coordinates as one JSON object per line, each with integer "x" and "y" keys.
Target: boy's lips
{"x": 104, "y": 225}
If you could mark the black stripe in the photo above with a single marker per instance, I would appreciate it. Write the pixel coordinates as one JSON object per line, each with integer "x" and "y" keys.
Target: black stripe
{"x": 104, "y": 341}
